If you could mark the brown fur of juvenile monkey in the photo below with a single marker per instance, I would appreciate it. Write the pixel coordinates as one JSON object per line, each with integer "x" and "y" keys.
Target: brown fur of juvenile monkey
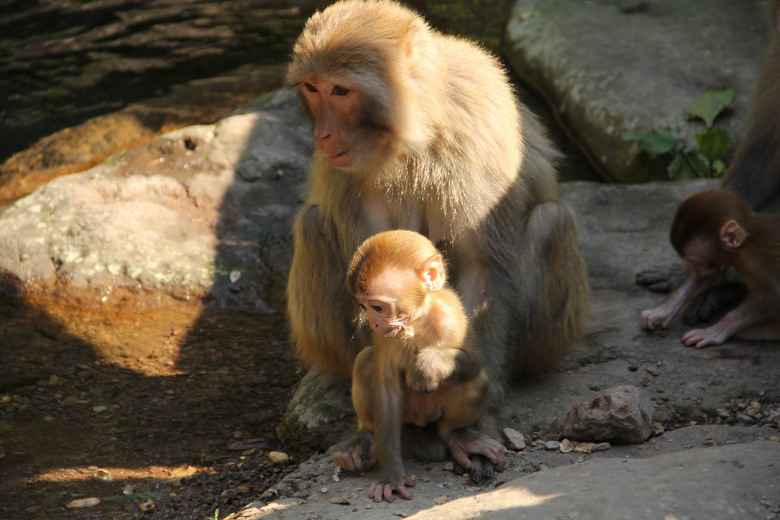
{"x": 754, "y": 171}
{"x": 418, "y": 130}
{"x": 421, "y": 367}
{"x": 713, "y": 230}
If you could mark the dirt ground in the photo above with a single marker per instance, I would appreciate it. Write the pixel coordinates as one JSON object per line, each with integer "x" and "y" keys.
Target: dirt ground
{"x": 170, "y": 411}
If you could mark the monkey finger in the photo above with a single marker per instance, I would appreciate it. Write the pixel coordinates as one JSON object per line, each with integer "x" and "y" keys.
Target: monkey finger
{"x": 343, "y": 461}
{"x": 357, "y": 461}
{"x": 461, "y": 457}
{"x": 405, "y": 493}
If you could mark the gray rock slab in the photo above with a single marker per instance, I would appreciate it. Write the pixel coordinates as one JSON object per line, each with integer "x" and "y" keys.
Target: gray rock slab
{"x": 730, "y": 482}
{"x": 687, "y": 481}
{"x": 608, "y": 66}
{"x": 202, "y": 211}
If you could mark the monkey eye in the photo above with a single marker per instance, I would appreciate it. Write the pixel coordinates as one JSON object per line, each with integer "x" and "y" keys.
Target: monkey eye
{"x": 310, "y": 87}
{"x": 377, "y": 308}
{"x": 338, "y": 90}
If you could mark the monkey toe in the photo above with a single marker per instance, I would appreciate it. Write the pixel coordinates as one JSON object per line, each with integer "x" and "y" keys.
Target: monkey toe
{"x": 481, "y": 469}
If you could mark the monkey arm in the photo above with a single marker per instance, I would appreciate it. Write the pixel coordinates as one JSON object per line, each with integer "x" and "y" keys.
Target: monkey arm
{"x": 755, "y": 310}
{"x": 435, "y": 366}
{"x": 664, "y": 313}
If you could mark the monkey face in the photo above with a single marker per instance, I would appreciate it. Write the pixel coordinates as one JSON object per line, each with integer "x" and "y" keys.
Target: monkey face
{"x": 705, "y": 258}
{"x": 343, "y": 131}
{"x": 384, "y": 317}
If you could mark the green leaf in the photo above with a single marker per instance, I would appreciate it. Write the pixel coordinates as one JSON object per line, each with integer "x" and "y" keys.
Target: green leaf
{"x": 713, "y": 143}
{"x": 709, "y": 105}
{"x": 719, "y": 167}
{"x": 655, "y": 142}
{"x": 679, "y": 170}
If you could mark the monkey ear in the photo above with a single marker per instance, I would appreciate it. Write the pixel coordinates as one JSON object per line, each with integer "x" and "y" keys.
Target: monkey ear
{"x": 732, "y": 235}
{"x": 433, "y": 273}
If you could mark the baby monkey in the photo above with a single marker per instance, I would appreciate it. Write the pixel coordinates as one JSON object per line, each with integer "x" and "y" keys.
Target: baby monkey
{"x": 713, "y": 230}
{"x": 421, "y": 369}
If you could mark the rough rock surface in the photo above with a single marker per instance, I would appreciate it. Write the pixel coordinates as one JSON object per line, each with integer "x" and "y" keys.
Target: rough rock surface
{"x": 203, "y": 211}
{"x": 617, "y": 414}
{"x": 609, "y": 66}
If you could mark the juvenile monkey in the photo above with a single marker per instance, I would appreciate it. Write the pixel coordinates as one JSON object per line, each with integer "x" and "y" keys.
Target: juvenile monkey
{"x": 421, "y": 368}
{"x": 418, "y": 130}
{"x": 711, "y": 231}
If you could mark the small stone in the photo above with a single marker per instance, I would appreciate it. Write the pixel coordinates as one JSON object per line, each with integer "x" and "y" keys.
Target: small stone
{"x": 552, "y": 445}
{"x": 745, "y": 419}
{"x": 339, "y": 501}
{"x": 440, "y": 500}
{"x": 324, "y": 490}
{"x": 48, "y": 418}
{"x": 514, "y": 439}
{"x": 658, "y": 428}
{"x": 83, "y": 502}
{"x": 585, "y": 447}
{"x": 235, "y": 276}
{"x": 278, "y": 457}
{"x": 147, "y": 506}
{"x": 633, "y": 368}
{"x": 449, "y": 466}
{"x": 755, "y": 406}
{"x": 103, "y": 475}
{"x": 775, "y": 438}
{"x": 99, "y": 408}
{"x": 653, "y": 371}
{"x": 566, "y": 446}
{"x": 129, "y": 489}
{"x": 54, "y": 380}
{"x": 602, "y": 446}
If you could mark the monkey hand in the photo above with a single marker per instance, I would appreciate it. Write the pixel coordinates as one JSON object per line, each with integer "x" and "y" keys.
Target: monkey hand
{"x": 661, "y": 279}
{"x": 700, "y": 338}
{"x": 465, "y": 442}
{"x": 430, "y": 369}
{"x": 384, "y": 490}
{"x": 356, "y": 453}
{"x": 651, "y": 317}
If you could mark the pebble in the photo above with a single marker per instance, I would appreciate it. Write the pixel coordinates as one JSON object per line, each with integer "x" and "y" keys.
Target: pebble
{"x": 745, "y": 419}
{"x": 440, "y": 500}
{"x": 99, "y": 408}
{"x": 566, "y": 446}
{"x": 449, "y": 466}
{"x": 83, "y": 502}
{"x": 514, "y": 439}
{"x": 147, "y": 506}
{"x": 323, "y": 490}
{"x": 339, "y": 501}
{"x": 278, "y": 457}
{"x": 103, "y": 475}
{"x": 602, "y": 446}
{"x": 552, "y": 445}
{"x": 653, "y": 371}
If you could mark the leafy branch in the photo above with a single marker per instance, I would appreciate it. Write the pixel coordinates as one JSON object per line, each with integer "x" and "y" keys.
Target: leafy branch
{"x": 706, "y": 158}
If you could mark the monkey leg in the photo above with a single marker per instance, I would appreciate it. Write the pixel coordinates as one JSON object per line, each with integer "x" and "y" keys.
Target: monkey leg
{"x": 714, "y": 302}
{"x": 357, "y": 453}
{"x": 553, "y": 289}
{"x": 476, "y": 452}
{"x": 319, "y": 307}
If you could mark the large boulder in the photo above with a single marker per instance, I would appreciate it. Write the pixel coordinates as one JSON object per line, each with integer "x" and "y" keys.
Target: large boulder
{"x": 610, "y": 66}
{"x": 200, "y": 212}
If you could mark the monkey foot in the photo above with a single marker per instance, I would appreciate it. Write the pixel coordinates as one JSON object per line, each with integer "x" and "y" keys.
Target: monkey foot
{"x": 356, "y": 453}
{"x": 384, "y": 490}
{"x": 468, "y": 444}
{"x": 481, "y": 469}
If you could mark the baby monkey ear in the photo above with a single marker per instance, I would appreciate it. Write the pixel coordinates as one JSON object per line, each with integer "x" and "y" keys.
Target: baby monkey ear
{"x": 732, "y": 235}
{"x": 432, "y": 273}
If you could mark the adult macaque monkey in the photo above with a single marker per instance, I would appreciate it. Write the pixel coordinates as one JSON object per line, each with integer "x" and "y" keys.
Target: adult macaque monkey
{"x": 754, "y": 172}
{"x": 420, "y": 369}
{"x": 711, "y": 231}
{"x": 421, "y": 131}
